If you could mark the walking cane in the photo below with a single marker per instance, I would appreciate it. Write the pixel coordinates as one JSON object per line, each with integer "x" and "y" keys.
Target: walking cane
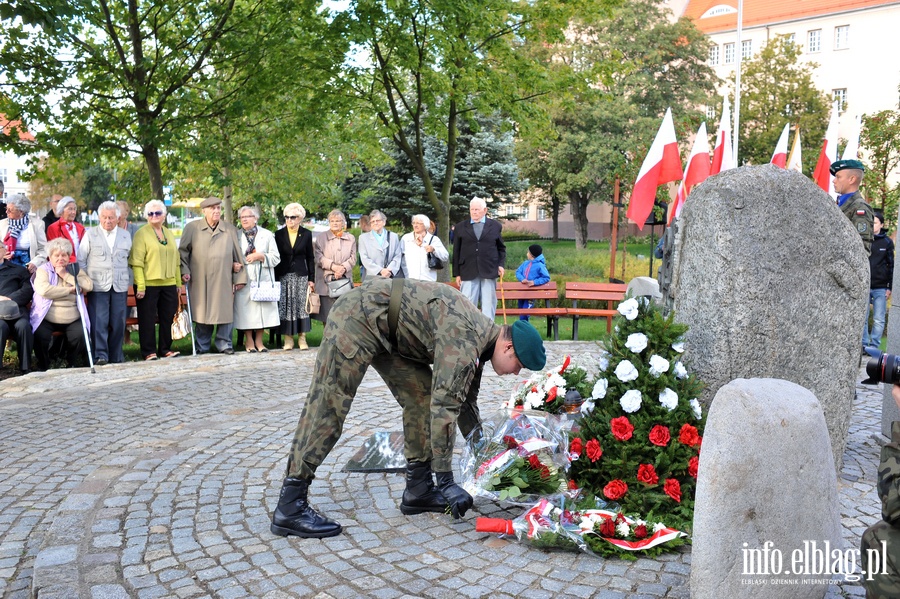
{"x": 79, "y": 300}
{"x": 187, "y": 295}
{"x": 503, "y": 301}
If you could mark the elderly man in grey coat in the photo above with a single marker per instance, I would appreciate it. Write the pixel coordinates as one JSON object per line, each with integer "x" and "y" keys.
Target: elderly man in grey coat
{"x": 379, "y": 250}
{"x": 103, "y": 254}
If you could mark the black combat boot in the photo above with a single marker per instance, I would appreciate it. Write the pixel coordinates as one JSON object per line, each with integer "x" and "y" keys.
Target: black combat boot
{"x": 293, "y": 516}
{"x": 420, "y": 494}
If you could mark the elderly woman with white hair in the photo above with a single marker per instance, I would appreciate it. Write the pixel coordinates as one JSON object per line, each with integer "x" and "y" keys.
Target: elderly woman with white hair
{"x": 67, "y": 227}
{"x": 335, "y": 256}
{"x": 295, "y": 271}
{"x": 416, "y": 247}
{"x": 23, "y": 234}
{"x": 261, "y": 255}
{"x": 156, "y": 265}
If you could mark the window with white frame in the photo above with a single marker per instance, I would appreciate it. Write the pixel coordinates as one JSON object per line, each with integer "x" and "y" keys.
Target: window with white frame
{"x": 3, "y": 175}
{"x": 713, "y": 55}
{"x": 746, "y": 49}
{"x": 814, "y": 40}
{"x": 542, "y": 214}
{"x": 710, "y": 112}
{"x": 840, "y": 96}
{"x": 842, "y": 37}
{"x": 790, "y": 38}
{"x": 729, "y": 54}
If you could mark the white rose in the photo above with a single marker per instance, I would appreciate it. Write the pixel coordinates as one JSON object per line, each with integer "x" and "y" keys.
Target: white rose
{"x": 695, "y": 406}
{"x": 631, "y": 401}
{"x": 658, "y": 527}
{"x": 603, "y": 361}
{"x": 629, "y": 309}
{"x": 626, "y": 371}
{"x": 599, "y": 390}
{"x": 678, "y": 346}
{"x": 587, "y": 407}
{"x": 636, "y": 342}
{"x": 658, "y": 365}
{"x": 669, "y": 399}
{"x": 680, "y": 371}
{"x": 623, "y": 529}
{"x": 586, "y": 524}
{"x": 555, "y": 380}
{"x": 533, "y": 400}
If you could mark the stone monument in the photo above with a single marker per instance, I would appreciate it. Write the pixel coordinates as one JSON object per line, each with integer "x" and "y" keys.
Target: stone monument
{"x": 764, "y": 492}
{"x": 772, "y": 280}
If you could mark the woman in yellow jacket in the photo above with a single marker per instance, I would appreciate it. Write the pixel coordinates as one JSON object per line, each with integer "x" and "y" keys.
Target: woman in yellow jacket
{"x": 157, "y": 276}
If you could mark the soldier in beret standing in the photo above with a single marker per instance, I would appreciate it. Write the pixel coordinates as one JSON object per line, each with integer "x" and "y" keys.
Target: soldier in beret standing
{"x": 430, "y": 347}
{"x": 848, "y": 176}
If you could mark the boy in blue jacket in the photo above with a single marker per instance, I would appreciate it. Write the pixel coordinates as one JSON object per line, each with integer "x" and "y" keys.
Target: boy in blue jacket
{"x": 532, "y": 272}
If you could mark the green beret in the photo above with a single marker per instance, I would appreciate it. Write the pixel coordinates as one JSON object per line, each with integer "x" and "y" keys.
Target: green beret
{"x": 528, "y": 345}
{"x": 840, "y": 165}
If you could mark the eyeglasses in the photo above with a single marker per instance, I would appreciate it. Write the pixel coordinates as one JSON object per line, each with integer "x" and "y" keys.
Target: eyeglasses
{"x": 156, "y": 213}
{"x": 291, "y": 217}
{"x": 248, "y": 216}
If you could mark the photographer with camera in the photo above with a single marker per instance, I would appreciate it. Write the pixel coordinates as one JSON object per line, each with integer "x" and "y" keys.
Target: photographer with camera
{"x": 884, "y": 583}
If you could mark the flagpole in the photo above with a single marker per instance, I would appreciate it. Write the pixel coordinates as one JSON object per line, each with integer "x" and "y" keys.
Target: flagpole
{"x": 737, "y": 83}
{"x": 613, "y": 240}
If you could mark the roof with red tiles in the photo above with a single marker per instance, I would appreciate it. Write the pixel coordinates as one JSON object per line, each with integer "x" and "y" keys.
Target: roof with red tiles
{"x": 8, "y": 126}
{"x": 767, "y": 12}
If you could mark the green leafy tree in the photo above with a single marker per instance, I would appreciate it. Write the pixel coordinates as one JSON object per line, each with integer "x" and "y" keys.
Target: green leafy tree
{"x": 623, "y": 71}
{"x": 97, "y": 183}
{"x": 880, "y": 140}
{"x": 777, "y": 88}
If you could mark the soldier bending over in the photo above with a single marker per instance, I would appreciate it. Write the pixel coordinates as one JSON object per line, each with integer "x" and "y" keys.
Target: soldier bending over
{"x": 402, "y": 327}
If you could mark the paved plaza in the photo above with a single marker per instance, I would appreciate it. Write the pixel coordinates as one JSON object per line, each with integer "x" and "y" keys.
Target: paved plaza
{"x": 158, "y": 479}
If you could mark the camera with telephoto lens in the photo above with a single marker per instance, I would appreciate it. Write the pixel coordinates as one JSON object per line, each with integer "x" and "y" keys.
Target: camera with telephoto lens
{"x": 884, "y": 368}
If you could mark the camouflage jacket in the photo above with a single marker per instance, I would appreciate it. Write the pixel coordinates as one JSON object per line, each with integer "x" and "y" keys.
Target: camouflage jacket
{"x": 438, "y": 326}
{"x": 889, "y": 478}
{"x": 862, "y": 218}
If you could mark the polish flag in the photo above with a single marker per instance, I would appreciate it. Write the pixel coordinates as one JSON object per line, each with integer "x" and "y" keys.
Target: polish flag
{"x": 827, "y": 155}
{"x": 852, "y": 150}
{"x": 696, "y": 171}
{"x": 779, "y": 157}
{"x": 795, "y": 158}
{"x": 723, "y": 157}
{"x": 662, "y": 165}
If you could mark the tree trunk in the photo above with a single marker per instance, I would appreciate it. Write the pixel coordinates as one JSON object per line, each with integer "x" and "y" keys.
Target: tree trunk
{"x": 154, "y": 170}
{"x": 579, "y": 203}
{"x": 555, "y": 216}
{"x": 227, "y": 195}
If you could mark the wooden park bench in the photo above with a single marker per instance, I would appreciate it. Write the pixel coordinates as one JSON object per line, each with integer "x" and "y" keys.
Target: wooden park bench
{"x": 539, "y": 294}
{"x": 131, "y": 302}
{"x": 609, "y": 293}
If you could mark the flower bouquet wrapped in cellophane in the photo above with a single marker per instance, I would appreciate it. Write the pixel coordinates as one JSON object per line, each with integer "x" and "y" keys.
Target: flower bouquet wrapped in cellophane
{"x": 556, "y": 391}
{"x": 519, "y": 460}
{"x": 591, "y": 526}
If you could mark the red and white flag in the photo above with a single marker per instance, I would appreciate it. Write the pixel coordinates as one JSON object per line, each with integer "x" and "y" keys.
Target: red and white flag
{"x": 827, "y": 155}
{"x": 852, "y": 150}
{"x": 795, "y": 158}
{"x": 723, "y": 157}
{"x": 662, "y": 165}
{"x": 779, "y": 157}
{"x": 696, "y": 171}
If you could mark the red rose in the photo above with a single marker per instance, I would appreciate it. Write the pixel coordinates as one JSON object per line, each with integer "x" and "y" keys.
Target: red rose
{"x": 576, "y": 446}
{"x": 640, "y": 531}
{"x": 572, "y": 484}
{"x": 535, "y": 462}
{"x": 659, "y": 435}
{"x": 673, "y": 489}
{"x": 565, "y": 365}
{"x": 647, "y": 474}
{"x": 510, "y": 442}
{"x": 621, "y": 428}
{"x": 551, "y": 395}
{"x": 594, "y": 451}
{"x": 534, "y": 389}
{"x": 615, "y": 489}
{"x": 545, "y": 472}
{"x": 689, "y": 435}
{"x": 694, "y": 466}
{"x": 620, "y": 518}
{"x": 608, "y": 528}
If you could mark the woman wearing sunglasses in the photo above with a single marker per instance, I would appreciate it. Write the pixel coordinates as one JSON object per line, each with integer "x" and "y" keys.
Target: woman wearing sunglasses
{"x": 295, "y": 271}
{"x": 157, "y": 277}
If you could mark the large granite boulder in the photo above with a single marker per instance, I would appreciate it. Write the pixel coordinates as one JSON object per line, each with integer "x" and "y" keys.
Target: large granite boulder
{"x": 763, "y": 487}
{"x": 773, "y": 281}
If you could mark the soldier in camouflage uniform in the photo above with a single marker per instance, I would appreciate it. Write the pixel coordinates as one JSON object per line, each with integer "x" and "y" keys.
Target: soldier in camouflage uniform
{"x": 848, "y": 176}
{"x": 884, "y": 583}
{"x": 435, "y": 326}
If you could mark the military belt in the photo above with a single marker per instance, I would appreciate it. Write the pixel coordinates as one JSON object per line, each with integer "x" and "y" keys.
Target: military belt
{"x": 394, "y": 310}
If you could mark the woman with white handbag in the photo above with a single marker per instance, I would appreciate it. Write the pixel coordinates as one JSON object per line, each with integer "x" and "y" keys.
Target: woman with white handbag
{"x": 256, "y": 305}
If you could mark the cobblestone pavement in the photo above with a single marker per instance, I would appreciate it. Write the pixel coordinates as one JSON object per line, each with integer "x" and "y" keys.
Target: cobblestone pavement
{"x": 157, "y": 480}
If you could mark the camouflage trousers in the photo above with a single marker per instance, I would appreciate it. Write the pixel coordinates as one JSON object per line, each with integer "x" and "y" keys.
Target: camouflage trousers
{"x": 350, "y": 344}
{"x": 885, "y": 582}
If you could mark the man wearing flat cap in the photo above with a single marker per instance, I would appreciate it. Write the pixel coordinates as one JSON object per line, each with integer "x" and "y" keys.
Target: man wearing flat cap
{"x": 847, "y": 179}
{"x": 430, "y": 347}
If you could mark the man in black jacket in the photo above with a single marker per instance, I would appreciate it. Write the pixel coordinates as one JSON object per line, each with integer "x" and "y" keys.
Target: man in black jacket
{"x": 881, "y": 271}
{"x": 15, "y": 288}
{"x": 479, "y": 257}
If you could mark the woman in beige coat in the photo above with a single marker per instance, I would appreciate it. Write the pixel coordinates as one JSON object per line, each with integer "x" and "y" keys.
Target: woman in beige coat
{"x": 213, "y": 266}
{"x": 335, "y": 253}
